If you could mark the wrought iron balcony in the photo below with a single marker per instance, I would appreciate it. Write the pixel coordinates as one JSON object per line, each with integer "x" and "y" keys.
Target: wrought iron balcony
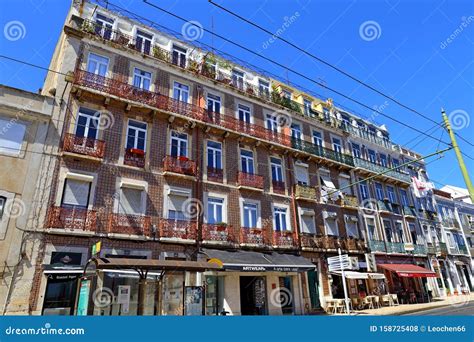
{"x": 178, "y": 229}
{"x": 395, "y": 247}
{"x": 443, "y": 248}
{"x": 384, "y": 206}
{"x": 253, "y": 236}
{"x": 377, "y": 246}
{"x": 306, "y": 192}
{"x": 250, "y": 180}
{"x": 376, "y": 168}
{"x": 284, "y": 239}
{"x": 179, "y": 165}
{"x": 409, "y": 211}
{"x": 83, "y": 145}
{"x": 463, "y": 249}
{"x": 73, "y": 218}
{"x": 321, "y": 151}
{"x": 218, "y": 233}
{"x": 366, "y": 135}
{"x": 278, "y": 187}
{"x": 215, "y": 175}
{"x": 126, "y": 224}
{"x": 433, "y": 249}
{"x": 134, "y": 157}
{"x": 350, "y": 201}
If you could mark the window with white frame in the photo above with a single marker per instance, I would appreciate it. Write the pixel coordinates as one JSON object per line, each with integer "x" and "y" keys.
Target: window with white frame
{"x": 141, "y": 79}
{"x": 308, "y": 225}
{"x": 143, "y": 42}
{"x": 272, "y": 122}
{"x": 250, "y": 215}
{"x": 404, "y": 197}
{"x": 307, "y": 106}
{"x": 372, "y": 156}
{"x": 413, "y": 232}
{"x": 318, "y": 138}
{"x": 244, "y": 113}
{"x": 395, "y": 162}
{"x": 176, "y": 205}
{"x": 214, "y": 155}
{"x": 337, "y": 145}
{"x": 246, "y": 161}
{"x": 179, "y": 144}
{"x": 391, "y": 194}
{"x": 387, "y": 225}
{"x": 3, "y": 202}
{"x": 87, "y": 123}
{"x": 364, "y": 190}
{"x": 296, "y": 132}
{"x": 345, "y": 185}
{"x": 215, "y": 210}
{"x": 264, "y": 88}
{"x": 383, "y": 159}
{"x": 330, "y": 224}
{"x": 277, "y": 169}
{"x": 136, "y": 135}
{"x": 379, "y": 193}
{"x": 352, "y": 229}
{"x": 180, "y": 92}
{"x": 280, "y": 219}
{"x": 179, "y": 56}
{"x": 356, "y": 150}
{"x": 97, "y": 65}
{"x": 238, "y": 79}
{"x": 451, "y": 242}
{"x": 12, "y": 134}
{"x": 301, "y": 174}
{"x": 103, "y": 26}
{"x": 371, "y": 228}
{"x": 131, "y": 201}
{"x": 399, "y": 231}
{"x": 76, "y": 193}
{"x": 213, "y": 103}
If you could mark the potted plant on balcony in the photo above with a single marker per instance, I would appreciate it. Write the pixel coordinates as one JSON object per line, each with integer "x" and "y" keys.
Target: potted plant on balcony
{"x": 183, "y": 158}
{"x": 220, "y": 226}
{"x": 250, "y": 91}
{"x": 193, "y": 66}
{"x": 136, "y": 151}
{"x": 87, "y": 27}
{"x": 159, "y": 53}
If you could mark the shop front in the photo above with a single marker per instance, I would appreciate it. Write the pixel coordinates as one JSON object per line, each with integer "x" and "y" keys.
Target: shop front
{"x": 124, "y": 287}
{"x": 408, "y": 282}
{"x": 255, "y": 283}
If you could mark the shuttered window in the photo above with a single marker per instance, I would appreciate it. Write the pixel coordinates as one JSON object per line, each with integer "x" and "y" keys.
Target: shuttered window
{"x": 131, "y": 201}
{"x": 301, "y": 173}
{"x": 76, "y": 193}
{"x": 307, "y": 224}
{"x": 176, "y": 206}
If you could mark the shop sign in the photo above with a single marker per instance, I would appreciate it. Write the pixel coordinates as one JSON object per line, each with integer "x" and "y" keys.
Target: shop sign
{"x": 83, "y": 301}
{"x": 63, "y": 276}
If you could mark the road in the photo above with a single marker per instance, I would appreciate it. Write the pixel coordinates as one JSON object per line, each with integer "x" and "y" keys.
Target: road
{"x": 451, "y": 310}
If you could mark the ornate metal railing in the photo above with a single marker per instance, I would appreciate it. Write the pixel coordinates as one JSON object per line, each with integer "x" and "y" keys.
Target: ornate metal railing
{"x": 72, "y": 218}
{"x": 395, "y": 247}
{"x": 178, "y": 229}
{"x": 350, "y": 201}
{"x": 252, "y": 236}
{"x": 181, "y": 165}
{"x": 83, "y": 145}
{"x": 250, "y": 180}
{"x": 134, "y": 158}
{"x": 284, "y": 239}
{"x": 278, "y": 187}
{"x": 377, "y": 246}
{"x": 218, "y": 233}
{"x": 420, "y": 250}
{"x": 376, "y": 168}
{"x": 320, "y": 151}
{"x": 215, "y": 175}
{"x": 129, "y": 224}
{"x": 305, "y": 192}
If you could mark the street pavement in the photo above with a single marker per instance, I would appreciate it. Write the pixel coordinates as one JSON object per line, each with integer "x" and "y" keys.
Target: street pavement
{"x": 452, "y": 310}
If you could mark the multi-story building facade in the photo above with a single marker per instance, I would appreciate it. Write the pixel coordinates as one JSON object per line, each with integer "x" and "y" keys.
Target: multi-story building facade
{"x": 168, "y": 151}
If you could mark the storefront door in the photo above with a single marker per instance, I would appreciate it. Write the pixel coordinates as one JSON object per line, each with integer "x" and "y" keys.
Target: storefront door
{"x": 253, "y": 295}
{"x": 60, "y": 295}
{"x": 313, "y": 289}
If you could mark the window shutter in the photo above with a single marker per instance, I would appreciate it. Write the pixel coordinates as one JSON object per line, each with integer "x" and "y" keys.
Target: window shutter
{"x": 131, "y": 202}
{"x": 301, "y": 174}
{"x": 176, "y": 202}
{"x": 76, "y": 193}
{"x": 308, "y": 224}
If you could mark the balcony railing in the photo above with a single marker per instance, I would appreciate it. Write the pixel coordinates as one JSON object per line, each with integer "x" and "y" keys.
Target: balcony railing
{"x": 129, "y": 224}
{"x": 320, "y": 242}
{"x": 252, "y": 236}
{"x": 395, "y": 247}
{"x": 278, "y": 187}
{"x": 443, "y": 248}
{"x": 181, "y": 165}
{"x": 420, "y": 250}
{"x": 409, "y": 211}
{"x": 305, "y": 192}
{"x": 134, "y": 157}
{"x": 320, "y": 151}
{"x": 215, "y": 175}
{"x": 376, "y": 168}
{"x": 178, "y": 229}
{"x": 284, "y": 239}
{"x": 83, "y": 145}
{"x": 377, "y": 246}
{"x": 352, "y": 244}
{"x": 76, "y": 219}
{"x": 384, "y": 205}
{"x": 218, "y": 233}
{"x": 250, "y": 180}
{"x": 463, "y": 249}
{"x": 433, "y": 249}
{"x": 350, "y": 201}
{"x": 369, "y": 136}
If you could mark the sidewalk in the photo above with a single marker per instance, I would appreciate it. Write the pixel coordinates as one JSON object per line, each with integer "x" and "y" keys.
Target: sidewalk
{"x": 410, "y": 308}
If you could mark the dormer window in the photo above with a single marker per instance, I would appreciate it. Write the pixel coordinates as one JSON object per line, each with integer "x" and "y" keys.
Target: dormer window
{"x": 179, "y": 56}
{"x": 143, "y": 42}
{"x": 103, "y": 26}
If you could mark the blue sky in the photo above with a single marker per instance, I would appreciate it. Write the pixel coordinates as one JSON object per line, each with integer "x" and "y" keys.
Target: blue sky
{"x": 409, "y": 57}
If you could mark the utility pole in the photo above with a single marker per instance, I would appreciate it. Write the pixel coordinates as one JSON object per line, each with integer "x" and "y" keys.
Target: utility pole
{"x": 462, "y": 166}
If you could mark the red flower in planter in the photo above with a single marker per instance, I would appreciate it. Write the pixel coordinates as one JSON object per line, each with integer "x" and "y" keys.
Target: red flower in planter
{"x": 183, "y": 158}
{"x": 137, "y": 151}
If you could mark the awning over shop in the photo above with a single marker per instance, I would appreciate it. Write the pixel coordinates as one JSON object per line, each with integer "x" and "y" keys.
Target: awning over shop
{"x": 408, "y": 270}
{"x": 360, "y": 275}
{"x": 249, "y": 261}
{"x": 52, "y": 268}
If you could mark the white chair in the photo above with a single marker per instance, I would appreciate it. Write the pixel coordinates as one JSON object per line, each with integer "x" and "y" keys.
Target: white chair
{"x": 395, "y": 299}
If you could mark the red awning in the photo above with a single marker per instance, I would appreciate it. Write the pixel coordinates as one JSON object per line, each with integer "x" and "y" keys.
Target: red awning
{"x": 408, "y": 270}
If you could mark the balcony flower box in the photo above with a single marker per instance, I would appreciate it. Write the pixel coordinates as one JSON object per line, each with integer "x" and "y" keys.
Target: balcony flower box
{"x": 136, "y": 151}
{"x": 183, "y": 158}
{"x": 221, "y": 226}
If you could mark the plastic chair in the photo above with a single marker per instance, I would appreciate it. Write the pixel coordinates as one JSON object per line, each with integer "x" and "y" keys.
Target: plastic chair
{"x": 395, "y": 299}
